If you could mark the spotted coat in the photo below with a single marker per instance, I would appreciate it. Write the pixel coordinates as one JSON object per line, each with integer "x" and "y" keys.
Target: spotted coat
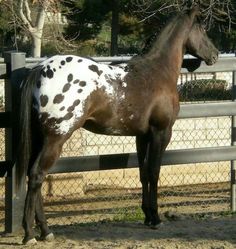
{"x": 66, "y": 82}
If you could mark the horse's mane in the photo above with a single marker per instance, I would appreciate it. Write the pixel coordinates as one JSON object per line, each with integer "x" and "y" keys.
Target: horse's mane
{"x": 160, "y": 41}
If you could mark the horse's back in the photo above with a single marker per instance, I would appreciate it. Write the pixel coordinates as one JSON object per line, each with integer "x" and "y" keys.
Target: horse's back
{"x": 66, "y": 85}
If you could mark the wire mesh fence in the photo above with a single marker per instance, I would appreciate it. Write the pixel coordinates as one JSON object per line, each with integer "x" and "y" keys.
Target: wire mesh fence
{"x": 115, "y": 194}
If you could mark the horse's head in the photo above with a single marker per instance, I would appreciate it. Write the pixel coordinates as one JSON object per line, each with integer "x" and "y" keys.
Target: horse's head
{"x": 198, "y": 43}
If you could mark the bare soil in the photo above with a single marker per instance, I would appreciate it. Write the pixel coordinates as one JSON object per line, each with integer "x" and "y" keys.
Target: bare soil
{"x": 183, "y": 233}
{"x": 194, "y": 217}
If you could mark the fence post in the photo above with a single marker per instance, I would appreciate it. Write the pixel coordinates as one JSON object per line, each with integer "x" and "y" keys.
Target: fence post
{"x": 233, "y": 142}
{"x": 14, "y": 200}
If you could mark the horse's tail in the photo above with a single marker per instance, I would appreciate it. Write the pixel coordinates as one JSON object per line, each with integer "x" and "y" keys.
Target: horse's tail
{"x": 25, "y": 117}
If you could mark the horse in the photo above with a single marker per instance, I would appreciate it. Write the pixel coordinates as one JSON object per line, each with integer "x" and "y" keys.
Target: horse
{"x": 66, "y": 92}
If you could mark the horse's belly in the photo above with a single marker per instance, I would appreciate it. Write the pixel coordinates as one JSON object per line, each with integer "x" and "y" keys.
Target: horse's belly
{"x": 116, "y": 127}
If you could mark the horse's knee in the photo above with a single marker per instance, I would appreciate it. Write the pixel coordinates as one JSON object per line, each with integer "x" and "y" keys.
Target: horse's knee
{"x": 153, "y": 180}
{"x": 143, "y": 174}
{"x": 143, "y": 179}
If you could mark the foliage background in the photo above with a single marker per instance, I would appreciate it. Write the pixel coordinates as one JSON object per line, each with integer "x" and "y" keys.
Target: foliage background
{"x": 88, "y": 28}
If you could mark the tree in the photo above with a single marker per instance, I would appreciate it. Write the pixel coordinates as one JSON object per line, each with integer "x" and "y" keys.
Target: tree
{"x": 6, "y": 27}
{"x": 29, "y": 16}
{"x": 29, "y": 21}
{"x": 115, "y": 27}
{"x": 34, "y": 28}
{"x": 103, "y": 25}
{"x": 218, "y": 16}
{"x": 91, "y": 31}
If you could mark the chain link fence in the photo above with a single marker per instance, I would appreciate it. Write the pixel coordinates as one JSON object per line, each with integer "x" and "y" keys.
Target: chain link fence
{"x": 116, "y": 194}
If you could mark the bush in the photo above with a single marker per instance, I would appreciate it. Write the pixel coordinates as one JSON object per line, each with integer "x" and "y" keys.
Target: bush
{"x": 49, "y": 49}
{"x": 205, "y": 89}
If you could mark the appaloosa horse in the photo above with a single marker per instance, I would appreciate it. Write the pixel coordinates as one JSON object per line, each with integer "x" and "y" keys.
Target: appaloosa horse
{"x": 65, "y": 93}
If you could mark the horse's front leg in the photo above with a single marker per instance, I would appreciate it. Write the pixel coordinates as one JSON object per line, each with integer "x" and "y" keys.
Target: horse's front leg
{"x": 158, "y": 143}
{"x": 142, "y": 147}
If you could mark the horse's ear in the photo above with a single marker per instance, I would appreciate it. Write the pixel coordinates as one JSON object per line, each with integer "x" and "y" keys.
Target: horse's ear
{"x": 194, "y": 11}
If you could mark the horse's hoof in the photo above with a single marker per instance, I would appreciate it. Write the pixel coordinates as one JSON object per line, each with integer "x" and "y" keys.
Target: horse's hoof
{"x": 49, "y": 237}
{"x": 156, "y": 226}
{"x": 147, "y": 223}
{"x": 32, "y": 241}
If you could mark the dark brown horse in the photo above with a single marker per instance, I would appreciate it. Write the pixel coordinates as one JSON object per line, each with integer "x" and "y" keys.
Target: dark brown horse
{"x": 65, "y": 93}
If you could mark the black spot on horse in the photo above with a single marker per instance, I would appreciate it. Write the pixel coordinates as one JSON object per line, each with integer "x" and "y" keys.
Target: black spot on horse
{"x": 63, "y": 62}
{"x": 68, "y": 116}
{"x": 69, "y": 59}
{"x": 59, "y": 120}
{"x": 44, "y": 116}
{"x": 80, "y": 90}
{"x": 43, "y": 73}
{"x": 51, "y": 121}
{"x": 49, "y": 73}
{"x": 76, "y": 81}
{"x": 70, "y": 77}
{"x": 75, "y": 103}
{"x": 95, "y": 69}
{"x": 108, "y": 78}
{"x": 38, "y": 84}
{"x": 58, "y": 99}
{"x": 110, "y": 67}
{"x": 54, "y": 70}
{"x": 66, "y": 87}
{"x": 62, "y": 108}
{"x": 43, "y": 100}
{"x": 82, "y": 83}
{"x": 71, "y": 108}
{"x": 80, "y": 60}
{"x": 126, "y": 69}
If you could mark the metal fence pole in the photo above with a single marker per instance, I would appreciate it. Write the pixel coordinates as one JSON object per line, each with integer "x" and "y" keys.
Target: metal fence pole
{"x": 233, "y": 142}
{"x": 14, "y": 200}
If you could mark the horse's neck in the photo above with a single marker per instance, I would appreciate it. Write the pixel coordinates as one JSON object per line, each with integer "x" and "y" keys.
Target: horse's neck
{"x": 169, "y": 47}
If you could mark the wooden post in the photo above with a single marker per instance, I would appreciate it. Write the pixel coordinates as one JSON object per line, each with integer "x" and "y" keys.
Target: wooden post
{"x": 233, "y": 142}
{"x": 14, "y": 200}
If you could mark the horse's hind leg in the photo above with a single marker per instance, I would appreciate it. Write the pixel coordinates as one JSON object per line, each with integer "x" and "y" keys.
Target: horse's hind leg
{"x": 41, "y": 219}
{"x": 45, "y": 160}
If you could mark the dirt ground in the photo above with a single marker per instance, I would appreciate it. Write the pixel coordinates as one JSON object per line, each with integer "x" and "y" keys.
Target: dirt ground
{"x": 194, "y": 217}
{"x": 182, "y": 233}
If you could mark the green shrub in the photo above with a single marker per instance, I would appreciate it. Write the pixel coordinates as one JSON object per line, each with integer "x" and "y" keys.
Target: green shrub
{"x": 49, "y": 49}
{"x": 204, "y": 89}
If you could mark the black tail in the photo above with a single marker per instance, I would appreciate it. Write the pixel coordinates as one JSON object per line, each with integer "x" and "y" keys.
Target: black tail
{"x": 25, "y": 133}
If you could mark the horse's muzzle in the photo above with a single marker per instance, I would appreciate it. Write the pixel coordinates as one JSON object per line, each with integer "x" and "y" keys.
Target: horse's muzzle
{"x": 213, "y": 59}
